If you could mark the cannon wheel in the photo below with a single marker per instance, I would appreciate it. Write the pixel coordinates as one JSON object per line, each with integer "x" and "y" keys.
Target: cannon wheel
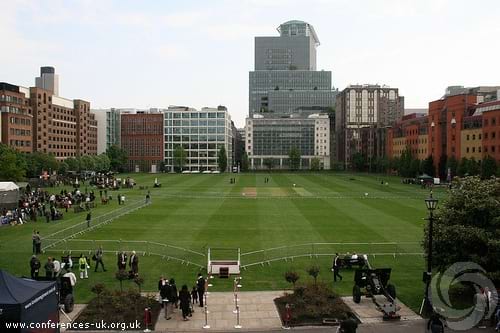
{"x": 391, "y": 290}
{"x": 356, "y": 294}
{"x": 69, "y": 302}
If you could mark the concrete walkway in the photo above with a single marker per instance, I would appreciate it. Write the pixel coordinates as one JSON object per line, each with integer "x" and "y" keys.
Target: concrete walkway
{"x": 257, "y": 312}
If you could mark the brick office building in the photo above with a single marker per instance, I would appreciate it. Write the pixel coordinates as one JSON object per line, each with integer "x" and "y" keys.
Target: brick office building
{"x": 491, "y": 128}
{"x": 142, "y": 139}
{"x": 37, "y": 119}
{"x": 16, "y": 119}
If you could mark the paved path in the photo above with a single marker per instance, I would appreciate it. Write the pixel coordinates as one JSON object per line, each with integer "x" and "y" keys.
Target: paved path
{"x": 257, "y": 312}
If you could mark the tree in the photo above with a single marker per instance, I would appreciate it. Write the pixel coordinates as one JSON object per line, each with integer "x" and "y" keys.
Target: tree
{"x": 314, "y": 272}
{"x": 405, "y": 169}
{"x": 73, "y": 164}
{"x": 121, "y": 276}
{"x": 294, "y": 156}
{"x": 38, "y": 162}
{"x": 452, "y": 165}
{"x": 382, "y": 164}
{"x": 443, "y": 161}
{"x": 139, "y": 281}
{"x": 245, "y": 162}
{"x": 117, "y": 157}
{"x": 473, "y": 167}
{"x": 269, "y": 163}
{"x": 63, "y": 168}
{"x": 222, "y": 159}
{"x": 415, "y": 167}
{"x": 358, "y": 161}
{"x": 292, "y": 277}
{"x": 98, "y": 289}
{"x": 462, "y": 169}
{"x": 180, "y": 157}
{"x": 102, "y": 163}
{"x": 12, "y": 165}
{"x": 428, "y": 166}
{"x": 466, "y": 228}
{"x": 315, "y": 164}
{"x": 488, "y": 167}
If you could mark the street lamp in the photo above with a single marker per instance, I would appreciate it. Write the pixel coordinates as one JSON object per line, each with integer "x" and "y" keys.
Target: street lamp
{"x": 431, "y": 204}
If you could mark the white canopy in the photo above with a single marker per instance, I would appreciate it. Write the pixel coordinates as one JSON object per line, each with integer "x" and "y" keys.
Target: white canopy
{"x": 8, "y": 186}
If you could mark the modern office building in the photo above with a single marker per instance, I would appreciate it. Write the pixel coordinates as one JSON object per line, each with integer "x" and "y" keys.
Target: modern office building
{"x": 201, "y": 133}
{"x": 48, "y": 80}
{"x": 142, "y": 139}
{"x": 362, "y": 114}
{"x": 109, "y": 127}
{"x": 269, "y": 140}
{"x": 16, "y": 118}
{"x": 285, "y": 78}
{"x": 288, "y": 100}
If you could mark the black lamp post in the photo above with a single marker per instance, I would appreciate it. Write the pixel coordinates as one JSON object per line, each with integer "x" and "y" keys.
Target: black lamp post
{"x": 431, "y": 205}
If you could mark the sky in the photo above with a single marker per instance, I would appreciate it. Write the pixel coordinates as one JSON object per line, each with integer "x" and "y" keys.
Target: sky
{"x": 198, "y": 53}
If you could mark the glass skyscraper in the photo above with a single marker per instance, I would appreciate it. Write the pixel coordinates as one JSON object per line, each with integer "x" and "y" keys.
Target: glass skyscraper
{"x": 288, "y": 98}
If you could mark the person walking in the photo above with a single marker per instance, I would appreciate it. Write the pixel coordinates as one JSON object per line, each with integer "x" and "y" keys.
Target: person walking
{"x": 194, "y": 295}
{"x": 165, "y": 295}
{"x": 88, "y": 218}
{"x": 185, "y": 301}
{"x": 134, "y": 263}
{"x": 336, "y": 268}
{"x": 98, "y": 259}
{"x": 200, "y": 285}
{"x": 83, "y": 266}
{"x": 175, "y": 294}
{"x": 35, "y": 267}
{"x": 49, "y": 268}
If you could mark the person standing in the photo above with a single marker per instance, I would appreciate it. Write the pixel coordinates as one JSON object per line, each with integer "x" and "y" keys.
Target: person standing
{"x": 200, "y": 285}
{"x": 134, "y": 263}
{"x": 185, "y": 301}
{"x": 98, "y": 259}
{"x": 35, "y": 267}
{"x": 38, "y": 243}
{"x": 336, "y": 267}
{"x": 122, "y": 261}
{"x": 89, "y": 218}
{"x": 57, "y": 267}
{"x": 49, "y": 268}
{"x": 84, "y": 266}
{"x": 33, "y": 239}
{"x": 119, "y": 199}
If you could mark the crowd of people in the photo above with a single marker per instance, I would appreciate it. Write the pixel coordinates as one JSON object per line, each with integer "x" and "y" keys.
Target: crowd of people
{"x": 185, "y": 299}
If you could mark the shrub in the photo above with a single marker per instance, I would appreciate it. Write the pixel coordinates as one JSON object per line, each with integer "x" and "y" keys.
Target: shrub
{"x": 314, "y": 272}
{"x": 292, "y": 277}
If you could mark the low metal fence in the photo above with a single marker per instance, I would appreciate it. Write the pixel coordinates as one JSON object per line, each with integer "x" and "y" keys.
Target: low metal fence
{"x": 165, "y": 251}
{"x": 315, "y": 250}
{"x": 78, "y": 229}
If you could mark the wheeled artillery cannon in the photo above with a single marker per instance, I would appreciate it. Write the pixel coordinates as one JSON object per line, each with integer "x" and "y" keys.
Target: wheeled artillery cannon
{"x": 374, "y": 283}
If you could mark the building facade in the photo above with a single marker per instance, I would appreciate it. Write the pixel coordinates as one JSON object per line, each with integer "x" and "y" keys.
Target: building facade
{"x": 201, "y": 134}
{"x": 16, "y": 118}
{"x": 464, "y": 123}
{"x": 108, "y": 127}
{"x": 363, "y": 112}
{"x": 288, "y": 97}
{"x": 269, "y": 140}
{"x": 39, "y": 120}
{"x": 142, "y": 139}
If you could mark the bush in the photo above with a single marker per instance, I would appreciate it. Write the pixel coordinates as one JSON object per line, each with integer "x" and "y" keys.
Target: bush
{"x": 117, "y": 306}
{"x": 292, "y": 277}
{"x": 312, "y": 303}
{"x": 314, "y": 272}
